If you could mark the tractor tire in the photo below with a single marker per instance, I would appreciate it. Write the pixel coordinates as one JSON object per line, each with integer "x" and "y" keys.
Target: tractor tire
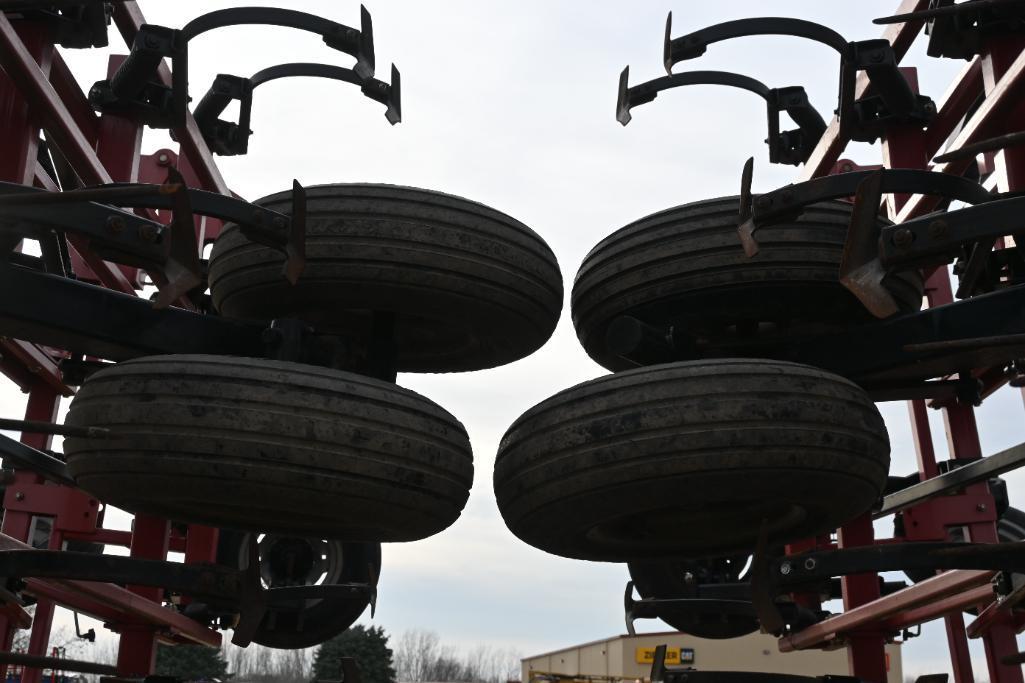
{"x": 272, "y": 447}
{"x": 686, "y": 460}
{"x": 685, "y": 268}
{"x": 311, "y": 622}
{"x": 470, "y": 287}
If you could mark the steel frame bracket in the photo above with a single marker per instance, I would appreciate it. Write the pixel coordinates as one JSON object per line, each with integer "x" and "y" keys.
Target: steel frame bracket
{"x": 785, "y": 147}
{"x": 960, "y": 31}
{"x": 871, "y": 252}
{"x": 135, "y": 89}
{"x": 75, "y": 24}
{"x": 862, "y": 120}
{"x": 228, "y": 138}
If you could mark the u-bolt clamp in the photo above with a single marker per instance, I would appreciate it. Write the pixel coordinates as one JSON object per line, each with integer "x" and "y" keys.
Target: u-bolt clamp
{"x": 229, "y": 139}
{"x": 136, "y": 89}
{"x": 786, "y": 147}
{"x": 862, "y": 120}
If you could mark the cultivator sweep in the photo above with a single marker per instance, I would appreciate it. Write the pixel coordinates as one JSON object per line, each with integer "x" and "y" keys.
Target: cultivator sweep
{"x": 246, "y": 413}
{"x": 749, "y": 336}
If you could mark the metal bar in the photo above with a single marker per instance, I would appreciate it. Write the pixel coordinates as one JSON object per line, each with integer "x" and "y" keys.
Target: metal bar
{"x": 99, "y": 322}
{"x": 24, "y": 457}
{"x": 981, "y": 470}
{"x": 994, "y": 111}
{"x": 69, "y": 92}
{"x": 41, "y": 427}
{"x": 931, "y": 591}
{"x": 955, "y": 603}
{"x": 57, "y": 664}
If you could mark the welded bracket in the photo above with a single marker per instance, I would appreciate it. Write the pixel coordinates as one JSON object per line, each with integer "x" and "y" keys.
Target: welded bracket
{"x": 959, "y": 31}
{"x": 75, "y": 24}
{"x": 872, "y": 252}
{"x": 135, "y": 88}
{"x": 229, "y": 139}
{"x": 897, "y": 101}
{"x": 785, "y": 147}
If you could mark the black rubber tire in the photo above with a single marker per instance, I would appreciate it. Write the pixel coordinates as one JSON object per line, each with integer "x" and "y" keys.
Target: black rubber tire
{"x": 315, "y": 621}
{"x": 665, "y": 580}
{"x": 684, "y": 461}
{"x": 471, "y": 287}
{"x": 685, "y": 267}
{"x": 268, "y": 446}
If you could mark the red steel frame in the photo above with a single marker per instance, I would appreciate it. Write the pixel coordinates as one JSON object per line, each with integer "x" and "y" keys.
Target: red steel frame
{"x": 998, "y": 73}
{"x": 38, "y": 92}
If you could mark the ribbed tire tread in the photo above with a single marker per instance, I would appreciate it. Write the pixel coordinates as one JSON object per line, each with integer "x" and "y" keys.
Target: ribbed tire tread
{"x": 472, "y": 287}
{"x": 271, "y": 447}
{"x": 686, "y": 264}
{"x": 713, "y": 444}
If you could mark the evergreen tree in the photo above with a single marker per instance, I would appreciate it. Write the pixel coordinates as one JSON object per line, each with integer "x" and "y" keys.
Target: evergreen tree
{"x": 368, "y": 646}
{"x": 191, "y": 662}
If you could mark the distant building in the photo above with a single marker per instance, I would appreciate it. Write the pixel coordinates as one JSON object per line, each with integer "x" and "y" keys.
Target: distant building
{"x": 628, "y": 658}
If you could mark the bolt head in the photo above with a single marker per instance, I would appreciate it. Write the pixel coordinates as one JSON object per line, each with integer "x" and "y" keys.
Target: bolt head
{"x": 903, "y": 237}
{"x": 937, "y": 228}
{"x": 19, "y": 496}
{"x": 785, "y": 569}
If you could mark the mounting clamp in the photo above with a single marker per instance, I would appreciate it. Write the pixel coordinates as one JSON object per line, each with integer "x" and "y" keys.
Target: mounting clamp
{"x": 135, "y": 88}
{"x": 897, "y": 102}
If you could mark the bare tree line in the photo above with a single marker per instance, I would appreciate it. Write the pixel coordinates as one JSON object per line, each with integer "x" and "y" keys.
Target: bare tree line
{"x": 420, "y": 657}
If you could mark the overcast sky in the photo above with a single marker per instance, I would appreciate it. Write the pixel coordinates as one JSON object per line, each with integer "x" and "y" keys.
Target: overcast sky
{"x": 512, "y": 104}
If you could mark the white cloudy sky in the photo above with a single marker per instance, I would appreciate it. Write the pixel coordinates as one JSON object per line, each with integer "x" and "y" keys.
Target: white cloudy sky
{"x": 512, "y": 104}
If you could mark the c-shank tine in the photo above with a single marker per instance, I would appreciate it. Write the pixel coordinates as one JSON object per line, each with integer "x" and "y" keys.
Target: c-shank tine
{"x": 253, "y": 599}
{"x": 745, "y": 224}
{"x": 295, "y": 249}
{"x": 181, "y": 269}
{"x": 861, "y": 271}
{"x": 667, "y": 50}
{"x": 763, "y": 597}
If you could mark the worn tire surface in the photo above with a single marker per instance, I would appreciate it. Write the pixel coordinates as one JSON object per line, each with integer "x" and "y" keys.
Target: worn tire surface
{"x": 312, "y": 622}
{"x": 268, "y": 446}
{"x": 472, "y": 288}
{"x": 686, "y": 459}
{"x": 685, "y": 267}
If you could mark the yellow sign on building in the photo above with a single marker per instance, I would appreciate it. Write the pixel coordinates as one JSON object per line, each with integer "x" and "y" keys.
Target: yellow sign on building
{"x": 674, "y": 655}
